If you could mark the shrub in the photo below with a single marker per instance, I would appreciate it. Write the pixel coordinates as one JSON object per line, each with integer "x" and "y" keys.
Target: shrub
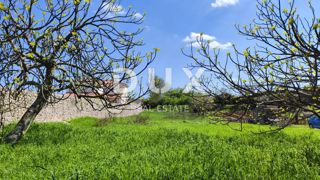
{"x": 141, "y": 119}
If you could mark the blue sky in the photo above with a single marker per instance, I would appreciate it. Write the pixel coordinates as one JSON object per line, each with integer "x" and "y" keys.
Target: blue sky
{"x": 169, "y": 22}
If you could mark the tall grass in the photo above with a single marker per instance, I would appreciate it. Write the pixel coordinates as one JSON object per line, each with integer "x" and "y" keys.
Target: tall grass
{"x": 160, "y": 148}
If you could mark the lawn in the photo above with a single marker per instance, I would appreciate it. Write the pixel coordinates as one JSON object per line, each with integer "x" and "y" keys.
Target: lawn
{"x": 160, "y": 146}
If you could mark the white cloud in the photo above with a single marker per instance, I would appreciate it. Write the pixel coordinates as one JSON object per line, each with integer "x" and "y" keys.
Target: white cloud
{"x": 224, "y": 3}
{"x": 138, "y": 15}
{"x": 118, "y": 10}
{"x": 115, "y": 8}
{"x": 194, "y": 39}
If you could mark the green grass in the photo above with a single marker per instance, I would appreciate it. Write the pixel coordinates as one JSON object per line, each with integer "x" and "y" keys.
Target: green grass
{"x": 162, "y": 146}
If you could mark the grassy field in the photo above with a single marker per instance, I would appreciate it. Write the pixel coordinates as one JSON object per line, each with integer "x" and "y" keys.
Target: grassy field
{"x": 162, "y": 146}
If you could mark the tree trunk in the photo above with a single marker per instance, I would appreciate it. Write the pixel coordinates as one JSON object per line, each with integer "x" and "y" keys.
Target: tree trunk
{"x": 42, "y": 99}
{"x": 23, "y": 125}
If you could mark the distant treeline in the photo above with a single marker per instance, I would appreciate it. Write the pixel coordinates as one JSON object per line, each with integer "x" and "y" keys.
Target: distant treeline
{"x": 197, "y": 102}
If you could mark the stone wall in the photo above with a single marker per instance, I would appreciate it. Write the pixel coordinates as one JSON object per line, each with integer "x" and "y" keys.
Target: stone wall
{"x": 69, "y": 109}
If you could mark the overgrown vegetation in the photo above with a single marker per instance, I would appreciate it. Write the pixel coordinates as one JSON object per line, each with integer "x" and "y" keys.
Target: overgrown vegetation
{"x": 163, "y": 148}
{"x": 279, "y": 72}
{"x": 176, "y": 98}
{"x": 172, "y": 97}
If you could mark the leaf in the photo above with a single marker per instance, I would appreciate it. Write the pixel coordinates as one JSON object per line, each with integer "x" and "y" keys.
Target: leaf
{"x": 30, "y": 55}
{"x": 157, "y": 49}
{"x": 285, "y": 10}
{"x": 33, "y": 44}
{"x": 316, "y": 26}
{"x": 271, "y": 81}
{"x": 273, "y": 28}
{"x": 291, "y": 21}
{"x": 2, "y": 7}
{"x": 76, "y": 2}
{"x": 246, "y": 53}
{"x": 6, "y": 18}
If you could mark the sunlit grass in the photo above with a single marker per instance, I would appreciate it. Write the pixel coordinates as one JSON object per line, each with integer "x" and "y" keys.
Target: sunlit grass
{"x": 161, "y": 146}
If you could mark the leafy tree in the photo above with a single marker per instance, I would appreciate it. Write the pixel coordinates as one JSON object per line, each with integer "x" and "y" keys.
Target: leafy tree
{"x": 57, "y": 46}
{"x": 176, "y": 97}
{"x": 281, "y": 70}
{"x": 155, "y": 98}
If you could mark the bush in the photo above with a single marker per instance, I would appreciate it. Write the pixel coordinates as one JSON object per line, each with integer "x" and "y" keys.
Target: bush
{"x": 197, "y": 102}
{"x": 141, "y": 119}
{"x": 173, "y": 97}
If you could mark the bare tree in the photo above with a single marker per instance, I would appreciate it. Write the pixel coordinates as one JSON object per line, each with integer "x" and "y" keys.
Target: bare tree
{"x": 52, "y": 47}
{"x": 282, "y": 69}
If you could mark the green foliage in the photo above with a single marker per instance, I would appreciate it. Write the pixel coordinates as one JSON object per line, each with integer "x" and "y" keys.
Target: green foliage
{"x": 141, "y": 119}
{"x": 176, "y": 97}
{"x": 155, "y": 98}
{"x": 163, "y": 148}
{"x": 196, "y": 102}
{"x": 173, "y": 97}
